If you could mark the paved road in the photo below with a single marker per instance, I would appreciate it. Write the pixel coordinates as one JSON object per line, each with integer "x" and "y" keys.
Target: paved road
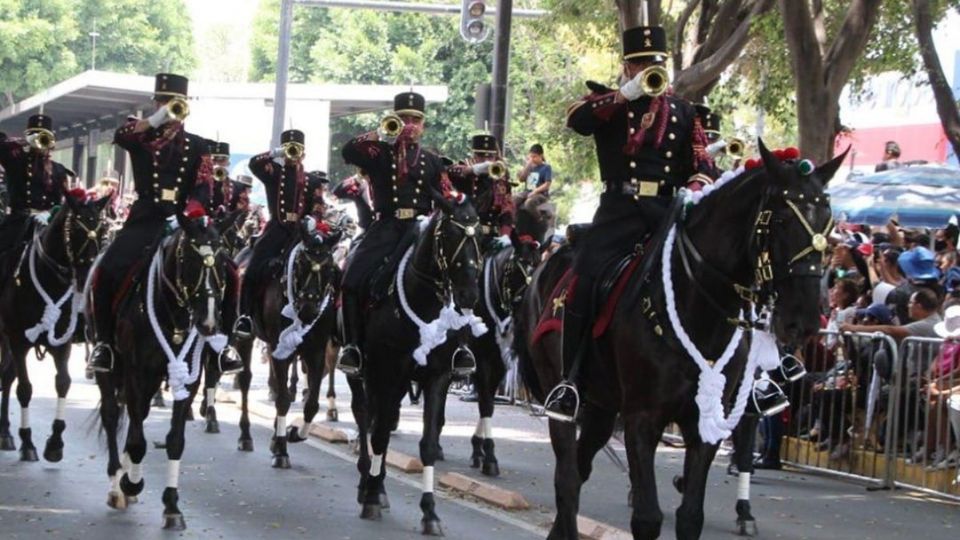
{"x": 227, "y": 494}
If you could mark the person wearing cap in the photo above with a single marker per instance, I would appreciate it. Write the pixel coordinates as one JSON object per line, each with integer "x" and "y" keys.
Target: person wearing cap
{"x": 943, "y": 391}
{"x": 924, "y": 312}
{"x": 537, "y": 174}
{"x": 35, "y": 183}
{"x": 316, "y": 204}
{"x": 891, "y": 157}
{"x": 240, "y": 193}
{"x": 405, "y": 179}
{"x": 171, "y": 167}
{"x": 648, "y": 147}
{"x": 356, "y": 189}
{"x": 491, "y": 196}
{"x": 919, "y": 268}
{"x": 281, "y": 171}
{"x": 709, "y": 122}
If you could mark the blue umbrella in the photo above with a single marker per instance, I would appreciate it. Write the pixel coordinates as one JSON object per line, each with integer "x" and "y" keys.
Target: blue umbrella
{"x": 921, "y": 196}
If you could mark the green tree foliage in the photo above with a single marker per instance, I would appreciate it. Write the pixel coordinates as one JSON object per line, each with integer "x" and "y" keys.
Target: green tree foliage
{"x": 43, "y": 42}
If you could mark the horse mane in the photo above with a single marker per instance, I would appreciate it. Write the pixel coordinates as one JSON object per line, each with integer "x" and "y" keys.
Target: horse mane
{"x": 729, "y": 193}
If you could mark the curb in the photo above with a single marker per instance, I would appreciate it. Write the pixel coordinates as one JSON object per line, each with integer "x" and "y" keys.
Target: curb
{"x": 594, "y": 530}
{"x": 329, "y": 434}
{"x": 497, "y": 496}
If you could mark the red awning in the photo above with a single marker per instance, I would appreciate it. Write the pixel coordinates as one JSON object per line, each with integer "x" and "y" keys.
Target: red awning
{"x": 923, "y": 141}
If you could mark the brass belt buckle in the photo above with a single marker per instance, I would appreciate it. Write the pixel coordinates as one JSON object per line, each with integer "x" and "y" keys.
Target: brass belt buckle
{"x": 648, "y": 188}
{"x": 169, "y": 195}
{"x": 292, "y": 216}
{"x": 404, "y": 213}
{"x": 485, "y": 229}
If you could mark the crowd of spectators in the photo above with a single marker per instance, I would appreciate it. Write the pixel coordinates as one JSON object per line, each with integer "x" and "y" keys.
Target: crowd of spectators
{"x": 896, "y": 282}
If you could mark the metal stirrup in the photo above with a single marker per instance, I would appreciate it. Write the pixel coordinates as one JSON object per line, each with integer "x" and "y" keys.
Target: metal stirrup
{"x": 554, "y": 396}
{"x": 350, "y": 370}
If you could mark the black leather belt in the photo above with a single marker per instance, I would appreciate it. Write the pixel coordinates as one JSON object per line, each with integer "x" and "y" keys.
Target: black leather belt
{"x": 643, "y": 189}
{"x": 402, "y": 213}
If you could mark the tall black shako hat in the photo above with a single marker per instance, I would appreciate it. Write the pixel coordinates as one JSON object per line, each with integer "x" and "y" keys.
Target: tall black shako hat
{"x": 169, "y": 86}
{"x": 645, "y": 43}
{"x": 292, "y": 136}
{"x": 39, "y": 122}
{"x": 410, "y": 103}
{"x": 709, "y": 120}
{"x": 219, "y": 149}
{"x": 485, "y": 144}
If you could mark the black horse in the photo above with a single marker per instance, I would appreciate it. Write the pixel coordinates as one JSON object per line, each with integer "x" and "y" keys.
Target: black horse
{"x": 295, "y": 316}
{"x": 767, "y": 223}
{"x": 171, "y": 309}
{"x": 506, "y": 274}
{"x": 437, "y": 277}
{"x": 39, "y": 308}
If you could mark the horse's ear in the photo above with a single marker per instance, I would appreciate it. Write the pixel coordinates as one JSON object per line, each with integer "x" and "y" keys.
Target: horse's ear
{"x": 770, "y": 161}
{"x": 826, "y": 171}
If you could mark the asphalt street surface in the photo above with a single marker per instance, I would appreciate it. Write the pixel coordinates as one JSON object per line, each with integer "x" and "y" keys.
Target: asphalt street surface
{"x": 229, "y": 494}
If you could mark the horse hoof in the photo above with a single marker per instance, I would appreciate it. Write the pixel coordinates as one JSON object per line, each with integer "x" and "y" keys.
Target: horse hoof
{"x": 117, "y": 501}
{"x": 746, "y": 527}
{"x": 281, "y": 462}
{"x": 491, "y": 469}
{"x": 371, "y": 512}
{"x": 333, "y": 416}
{"x": 174, "y": 522}
{"x": 7, "y": 444}
{"x": 475, "y": 462}
{"x": 130, "y": 489}
{"x": 245, "y": 445}
{"x": 28, "y": 454}
{"x": 293, "y": 435}
{"x": 213, "y": 426}
{"x": 431, "y": 527}
{"x": 52, "y": 453}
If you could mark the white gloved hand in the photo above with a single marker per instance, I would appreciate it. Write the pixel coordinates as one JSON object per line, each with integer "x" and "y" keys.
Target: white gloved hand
{"x": 172, "y": 223}
{"x": 633, "y": 88}
{"x": 31, "y": 138}
{"x": 714, "y": 148}
{"x": 42, "y": 218}
{"x": 159, "y": 118}
{"x": 481, "y": 168}
{"x": 503, "y": 240}
{"x": 277, "y": 152}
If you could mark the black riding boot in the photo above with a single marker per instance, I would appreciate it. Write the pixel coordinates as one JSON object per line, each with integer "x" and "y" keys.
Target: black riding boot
{"x": 102, "y": 356}
{"x": 563, "y": 402}
{"x": 243, "y": 327}
{"x": 350, "y": 359}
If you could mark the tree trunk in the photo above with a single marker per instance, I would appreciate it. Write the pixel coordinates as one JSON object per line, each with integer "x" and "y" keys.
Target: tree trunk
{"x": 942, "y": 92}
{"x": 819, "y": 71}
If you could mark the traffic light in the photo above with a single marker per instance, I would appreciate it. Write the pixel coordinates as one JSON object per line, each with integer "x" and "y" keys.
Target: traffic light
{"x": 473, "y": 28}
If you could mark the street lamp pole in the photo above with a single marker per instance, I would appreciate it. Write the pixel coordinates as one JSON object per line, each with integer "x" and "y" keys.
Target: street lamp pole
{"x": 93, "y": 49}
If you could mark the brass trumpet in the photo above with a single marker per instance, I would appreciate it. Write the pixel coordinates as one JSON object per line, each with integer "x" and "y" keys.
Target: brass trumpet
{"x": 179, "y": 109}
{"x": 391, "y": 126}
{"x": 654, "y": 80}
{"x": 43, "y": 140}
{"x": 293, "y": 151}
{"x": 735, "y": 148}
{"x": 220, "y": 173}
{"x": 497, "y": 170}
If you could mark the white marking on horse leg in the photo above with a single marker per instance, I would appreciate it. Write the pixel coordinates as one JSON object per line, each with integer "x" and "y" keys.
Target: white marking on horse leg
{"x": 210, "y": 321}
{"x": 305, "y": 429}
{"x": 487, "y": 428}
{"x": 25, "y": 418}
{"x": 173, "y": 473}
{"x": 332, "y": 403}
{"x": 115, "y": 483}
{"x": 428, "y": 479}
{"x": 478, "y": 431}
{"x": 743, "y": 487}
{"x": 281, "y": 426}
{"x": 376, "y": 465}
{"x": 135, "y": 472}
{"x": 61, "y": 408}
{"x": 211, "y": 396}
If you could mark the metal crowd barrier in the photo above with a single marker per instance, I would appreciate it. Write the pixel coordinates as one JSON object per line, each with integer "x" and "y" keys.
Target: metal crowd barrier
{"x": 866, "y": 409}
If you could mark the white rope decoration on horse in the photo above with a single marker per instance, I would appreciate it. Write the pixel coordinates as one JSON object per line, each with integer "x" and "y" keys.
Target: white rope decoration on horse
{"x": 292, "y": 336}
{"x": 434, "y": 333}
{"x": 504, "y": 330}
{"x": 52, "y": 311}
{"x": 179, "y": 374}
{"x": 713, "y": 426}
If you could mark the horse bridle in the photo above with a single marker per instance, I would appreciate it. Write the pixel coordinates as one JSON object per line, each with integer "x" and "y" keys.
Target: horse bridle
{"x": 470, "y": 231}
{"x": 315, "y": 273}
{"x": 91, "y": 236}
{"x": 182, "y": 294}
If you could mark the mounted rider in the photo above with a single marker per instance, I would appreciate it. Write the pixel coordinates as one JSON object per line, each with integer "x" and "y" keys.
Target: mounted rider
{"x": 35, "y": 183}
{"x": 405, "y": 180}
{"x": 222, "y": 184}
{"x": 486, "y": 180}
{"x": 281, "y": 171}
{"x": 171, "y": 169}
{"x": 648, "y": 147}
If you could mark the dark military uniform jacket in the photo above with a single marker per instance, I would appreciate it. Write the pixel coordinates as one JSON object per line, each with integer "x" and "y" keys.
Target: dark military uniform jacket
{"x": 491, "y": 197}
{"x": 166, "y": 173}
{"x": 393, "y": 193}
{"x": 286, "y": 187}
{"x": 34, "y": 182}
